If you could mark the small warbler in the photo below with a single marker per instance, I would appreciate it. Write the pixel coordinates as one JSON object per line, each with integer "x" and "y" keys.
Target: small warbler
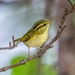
{"x": 37, "y": 35}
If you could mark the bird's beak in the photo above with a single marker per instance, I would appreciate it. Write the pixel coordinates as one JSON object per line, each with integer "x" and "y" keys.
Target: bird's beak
{"x": 51, "y": 20}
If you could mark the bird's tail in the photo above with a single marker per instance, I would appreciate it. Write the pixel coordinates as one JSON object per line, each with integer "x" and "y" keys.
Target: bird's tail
{"x": 17, "y": 40}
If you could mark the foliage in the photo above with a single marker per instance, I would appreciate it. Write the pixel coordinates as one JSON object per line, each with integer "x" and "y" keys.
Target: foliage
{"x": 32, "y": 67}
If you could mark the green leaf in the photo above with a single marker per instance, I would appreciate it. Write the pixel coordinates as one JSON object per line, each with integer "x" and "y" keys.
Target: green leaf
{"x": 33, "y": 67}
{"x": 48, "y": 70}
{"x": 28, "y": 69}
{"x": 73, "y": 19}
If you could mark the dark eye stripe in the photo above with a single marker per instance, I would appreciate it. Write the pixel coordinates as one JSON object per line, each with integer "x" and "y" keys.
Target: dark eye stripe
{"x": 37, "y": 24}
{"x": 39, "y": 27}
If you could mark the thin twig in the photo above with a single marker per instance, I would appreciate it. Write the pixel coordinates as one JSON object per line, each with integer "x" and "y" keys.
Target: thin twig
{"x": 70, "y": 3}
{"x": 10, "y": 46}
{"x": 37, "y": 55}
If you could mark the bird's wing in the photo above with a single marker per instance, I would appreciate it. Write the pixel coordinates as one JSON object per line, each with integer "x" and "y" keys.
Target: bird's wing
{"x": 28, "y": 36}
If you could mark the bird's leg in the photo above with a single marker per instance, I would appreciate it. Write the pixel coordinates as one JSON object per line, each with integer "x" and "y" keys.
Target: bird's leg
{"x": 29, "y": 53}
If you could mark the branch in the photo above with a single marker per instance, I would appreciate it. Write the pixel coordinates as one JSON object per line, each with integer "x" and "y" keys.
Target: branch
{"x": 70, "y": 3}
{"x": 37, "y": 55}
{"x": 43, "y": 50}
{"x": 10, "y": 46}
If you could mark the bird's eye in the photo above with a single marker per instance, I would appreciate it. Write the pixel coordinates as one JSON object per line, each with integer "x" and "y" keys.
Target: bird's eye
{"x": 44, "y": 24}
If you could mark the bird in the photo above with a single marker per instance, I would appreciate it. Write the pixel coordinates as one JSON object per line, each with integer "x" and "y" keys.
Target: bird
{"x": 37, "y": 35}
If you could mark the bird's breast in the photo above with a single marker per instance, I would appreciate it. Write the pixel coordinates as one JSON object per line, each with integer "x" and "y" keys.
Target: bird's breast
{"x": 37, "y": 40}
